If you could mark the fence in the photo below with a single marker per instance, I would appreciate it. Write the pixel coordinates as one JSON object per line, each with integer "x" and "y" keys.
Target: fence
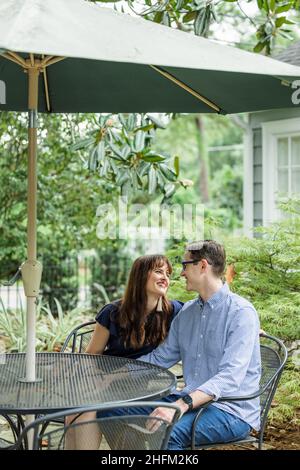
{"x": 84, "y": 283}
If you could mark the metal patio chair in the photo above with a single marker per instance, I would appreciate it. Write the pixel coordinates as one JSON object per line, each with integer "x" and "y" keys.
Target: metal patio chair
{"x": 126, "y": 432}
{"x": 78, "y": 339}
{"x": 273, "y": 359}
{"x": 14, "y": 425}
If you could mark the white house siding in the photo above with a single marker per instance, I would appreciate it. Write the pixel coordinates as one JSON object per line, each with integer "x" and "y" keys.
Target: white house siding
{"x": 255, "y": 123}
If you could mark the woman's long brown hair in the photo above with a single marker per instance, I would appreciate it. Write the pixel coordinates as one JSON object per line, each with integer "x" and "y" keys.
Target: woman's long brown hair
{"x": 137, "y": 327}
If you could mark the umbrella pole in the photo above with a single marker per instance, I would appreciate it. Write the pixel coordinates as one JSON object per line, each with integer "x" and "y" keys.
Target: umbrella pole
{"x": 31, "y": 269}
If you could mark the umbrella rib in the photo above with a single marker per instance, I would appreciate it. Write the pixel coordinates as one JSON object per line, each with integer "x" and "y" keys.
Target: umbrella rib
{"x": 46, "y": 89}
{"x": 50, "y": 60}
{"x": 14, "y": 58}
{"x": 54, "y": 60}
{"x": 45, "y": 60}
{"x": 187, "y": 88}
{"x": 17, "y": 57}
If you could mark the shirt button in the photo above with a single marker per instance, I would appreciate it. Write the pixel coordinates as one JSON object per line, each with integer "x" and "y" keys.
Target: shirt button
{"x": 199, "y": 355}
{"x": 196, "y": 374}
{"x": 203, "y": 316}
{"x": 201, "y": 336}
{"x": 212, "y": 306}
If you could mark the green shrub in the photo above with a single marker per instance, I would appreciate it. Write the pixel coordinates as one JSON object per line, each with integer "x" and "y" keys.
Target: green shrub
{"x": 50, "y": 331}
{"x": 268, "y": 274}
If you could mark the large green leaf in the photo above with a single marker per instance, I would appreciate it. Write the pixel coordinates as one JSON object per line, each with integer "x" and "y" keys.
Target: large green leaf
{"x": 260, "y": 46}
{"x": 116, "y": 150}
{"x": 143, "y": 168}
{"x": 157, "y": 121}
{"x": 169, "y": 174}
{"x": 153, "y": 157}
{"x": 125, "y": 151}
{"x": 139, "y": 179}
{"x": 191, "y": 15}
{"x": 158, "y": 17}
{"x": 283, "y": 8}
{"x": 82, "y": 144}
{"x": 122, "y": 120}
{"x": 116, "y": 157}
{"x": 114, "y": 166}
{"x": 272, "y": 4}
{"x": 127, "y": 189}
{"x": 200, "y": 23}
{"x": 179, "y": 4}
{"x": 101, "y": 151}
{"x": 166, "y": 20}
{"x": 103, "y": 169}
{"x": 93, "y": 160}
{"x": 122, "y": 177}
{"x": 152, "y": 180}
{"x": 176, "y": 165}
{"x": 131, "y": 122}
{"x": 161, "y": 180}
{"x": 115, "y": 135}
{"x": 139, "y": 141}
{"x": 169, "y": 190}
{"x": 280, "y": 21}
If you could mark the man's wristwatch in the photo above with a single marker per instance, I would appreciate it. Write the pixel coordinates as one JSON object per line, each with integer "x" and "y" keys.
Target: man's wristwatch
{"x": 188, "y": 400}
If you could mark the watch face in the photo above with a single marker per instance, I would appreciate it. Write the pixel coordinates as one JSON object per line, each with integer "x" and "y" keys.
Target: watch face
{"x": 188, "y": 400}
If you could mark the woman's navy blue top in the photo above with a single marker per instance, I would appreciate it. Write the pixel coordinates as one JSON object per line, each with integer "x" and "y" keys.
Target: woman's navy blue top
{"x": 108, "y": 316}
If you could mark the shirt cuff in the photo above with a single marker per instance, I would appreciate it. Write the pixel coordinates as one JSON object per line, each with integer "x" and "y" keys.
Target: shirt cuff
{"x": 210, "y": 389}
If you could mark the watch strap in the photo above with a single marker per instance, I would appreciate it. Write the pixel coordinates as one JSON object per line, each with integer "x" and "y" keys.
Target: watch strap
{"x": 188, "y": 400}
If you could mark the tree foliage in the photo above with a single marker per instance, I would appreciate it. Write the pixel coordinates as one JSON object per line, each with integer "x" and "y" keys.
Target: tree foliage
{"x": 121, "y": 151}
{"x": 267, "y": 272}
{"x": 274, "y": 18}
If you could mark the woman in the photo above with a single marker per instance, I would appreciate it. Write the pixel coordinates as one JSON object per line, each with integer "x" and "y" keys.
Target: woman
{"x": 141, "y": 320}
{"x": 131, "y": 327}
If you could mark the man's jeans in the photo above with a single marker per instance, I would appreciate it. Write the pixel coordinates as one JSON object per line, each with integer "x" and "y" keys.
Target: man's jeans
{"x": 214, "y": 425}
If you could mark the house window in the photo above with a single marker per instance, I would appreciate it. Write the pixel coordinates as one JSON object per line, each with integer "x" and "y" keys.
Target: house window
{"x": 281, "y": 164}
{"x": 288, "y": 165}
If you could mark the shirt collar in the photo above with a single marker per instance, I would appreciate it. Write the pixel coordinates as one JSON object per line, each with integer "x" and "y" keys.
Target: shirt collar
{"x": 216, "y": 298}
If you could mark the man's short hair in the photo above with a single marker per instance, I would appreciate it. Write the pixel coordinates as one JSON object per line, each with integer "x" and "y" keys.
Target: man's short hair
{"x": 213, "y": 252}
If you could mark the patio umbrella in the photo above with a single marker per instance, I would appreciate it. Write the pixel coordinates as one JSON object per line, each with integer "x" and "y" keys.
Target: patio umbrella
{"x": 79, "y": 57}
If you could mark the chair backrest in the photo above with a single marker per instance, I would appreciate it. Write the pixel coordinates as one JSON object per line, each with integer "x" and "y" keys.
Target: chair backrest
{"x": 128, "y": 431}
{"x": 79, "y": 338}
{"x": 10, "y": 430}
{"x": 273, "y": 359}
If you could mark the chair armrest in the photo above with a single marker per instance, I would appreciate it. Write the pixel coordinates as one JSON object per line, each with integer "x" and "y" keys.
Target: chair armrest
{"x": 198, "y": 415}
{"x": 221, "y": 399}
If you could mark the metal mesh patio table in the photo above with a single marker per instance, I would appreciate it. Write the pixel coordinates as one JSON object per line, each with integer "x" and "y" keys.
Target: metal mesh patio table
{"x": 72, "y": 380}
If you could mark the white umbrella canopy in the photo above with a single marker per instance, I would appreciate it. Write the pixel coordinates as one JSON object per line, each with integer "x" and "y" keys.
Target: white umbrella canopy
{"x": 79, "y": 57}
{"x": 110, "y": 58}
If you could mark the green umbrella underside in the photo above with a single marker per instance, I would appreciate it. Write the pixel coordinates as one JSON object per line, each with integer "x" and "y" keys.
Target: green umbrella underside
{"x": 80, "y": 85}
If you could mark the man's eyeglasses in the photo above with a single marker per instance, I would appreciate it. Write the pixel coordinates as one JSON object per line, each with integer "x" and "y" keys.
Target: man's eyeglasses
{"x": 184, "y": 263}
{"x": 195, "y": 262}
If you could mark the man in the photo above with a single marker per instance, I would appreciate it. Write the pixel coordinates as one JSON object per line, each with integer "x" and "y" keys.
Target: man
{"x": 216, "y": 336}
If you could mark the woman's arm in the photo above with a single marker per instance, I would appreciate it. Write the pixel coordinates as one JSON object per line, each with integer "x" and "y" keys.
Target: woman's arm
{"x": 98, "y": 341}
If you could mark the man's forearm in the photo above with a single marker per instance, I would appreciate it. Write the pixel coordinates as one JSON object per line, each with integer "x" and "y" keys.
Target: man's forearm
{"x": 199, "y": 398}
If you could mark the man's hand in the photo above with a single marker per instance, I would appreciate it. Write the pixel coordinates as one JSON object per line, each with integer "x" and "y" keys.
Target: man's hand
{"x": 163, "y": 413}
